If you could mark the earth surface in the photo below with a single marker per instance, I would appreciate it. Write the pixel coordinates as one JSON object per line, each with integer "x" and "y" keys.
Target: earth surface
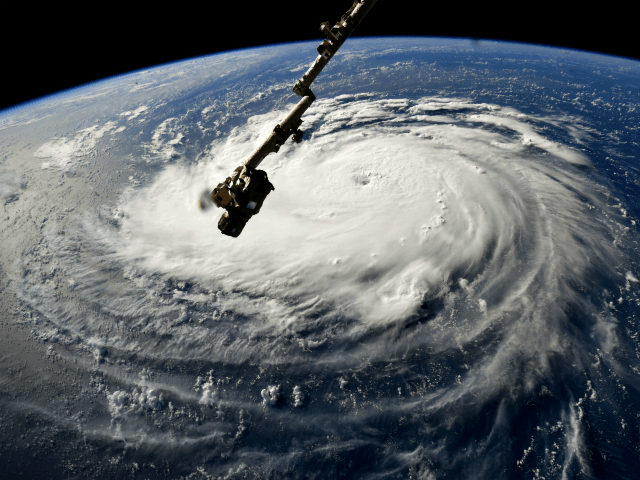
{"x": 444, "y": 282}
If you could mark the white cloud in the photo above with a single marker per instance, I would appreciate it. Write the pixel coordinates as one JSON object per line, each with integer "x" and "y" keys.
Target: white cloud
{"x": 209, "y": 391}
{"x": 165, "y": 140}
{"x": 406, "y": 191}
{"x": 131, "y": 114}
{"x": 270, "y": 395}
{"x": 63, "y": 152}
{"x": 298, "y": 396}
{"x": 118, "y": 401}
{"x": 10, "y": 185}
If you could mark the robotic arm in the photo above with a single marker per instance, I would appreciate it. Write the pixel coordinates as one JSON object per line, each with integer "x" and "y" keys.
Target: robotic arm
{"x": 242, "y": 194}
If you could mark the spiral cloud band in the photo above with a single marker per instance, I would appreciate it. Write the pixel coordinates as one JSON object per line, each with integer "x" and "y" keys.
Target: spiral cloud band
{"x": 427, "y": 267}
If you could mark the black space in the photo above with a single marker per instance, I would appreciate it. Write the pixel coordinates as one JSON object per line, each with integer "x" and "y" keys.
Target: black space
{"x": 51, "y": 47}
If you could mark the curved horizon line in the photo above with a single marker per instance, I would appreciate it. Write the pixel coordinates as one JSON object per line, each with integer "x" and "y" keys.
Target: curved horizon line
{"x": 4, "y": 113}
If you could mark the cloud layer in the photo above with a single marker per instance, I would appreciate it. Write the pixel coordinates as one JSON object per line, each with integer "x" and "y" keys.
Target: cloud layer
{"x": 428, "y": 258}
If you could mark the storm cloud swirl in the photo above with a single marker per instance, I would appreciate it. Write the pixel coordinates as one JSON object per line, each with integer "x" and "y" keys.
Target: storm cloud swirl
{"x": 432, "y": 286}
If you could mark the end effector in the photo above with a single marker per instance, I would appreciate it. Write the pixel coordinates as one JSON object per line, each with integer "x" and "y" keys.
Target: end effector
{"x": 242, "y": 196}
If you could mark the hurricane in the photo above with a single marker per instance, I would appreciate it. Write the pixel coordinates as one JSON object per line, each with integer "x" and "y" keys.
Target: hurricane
{"x": 438, "y": 284}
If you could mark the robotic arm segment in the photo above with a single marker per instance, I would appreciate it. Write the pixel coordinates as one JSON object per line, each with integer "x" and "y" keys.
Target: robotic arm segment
{"x": 242, "y": 194}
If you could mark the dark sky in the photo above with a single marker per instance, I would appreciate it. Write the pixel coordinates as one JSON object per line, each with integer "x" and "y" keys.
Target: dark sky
{"x": 60, "y": 45}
